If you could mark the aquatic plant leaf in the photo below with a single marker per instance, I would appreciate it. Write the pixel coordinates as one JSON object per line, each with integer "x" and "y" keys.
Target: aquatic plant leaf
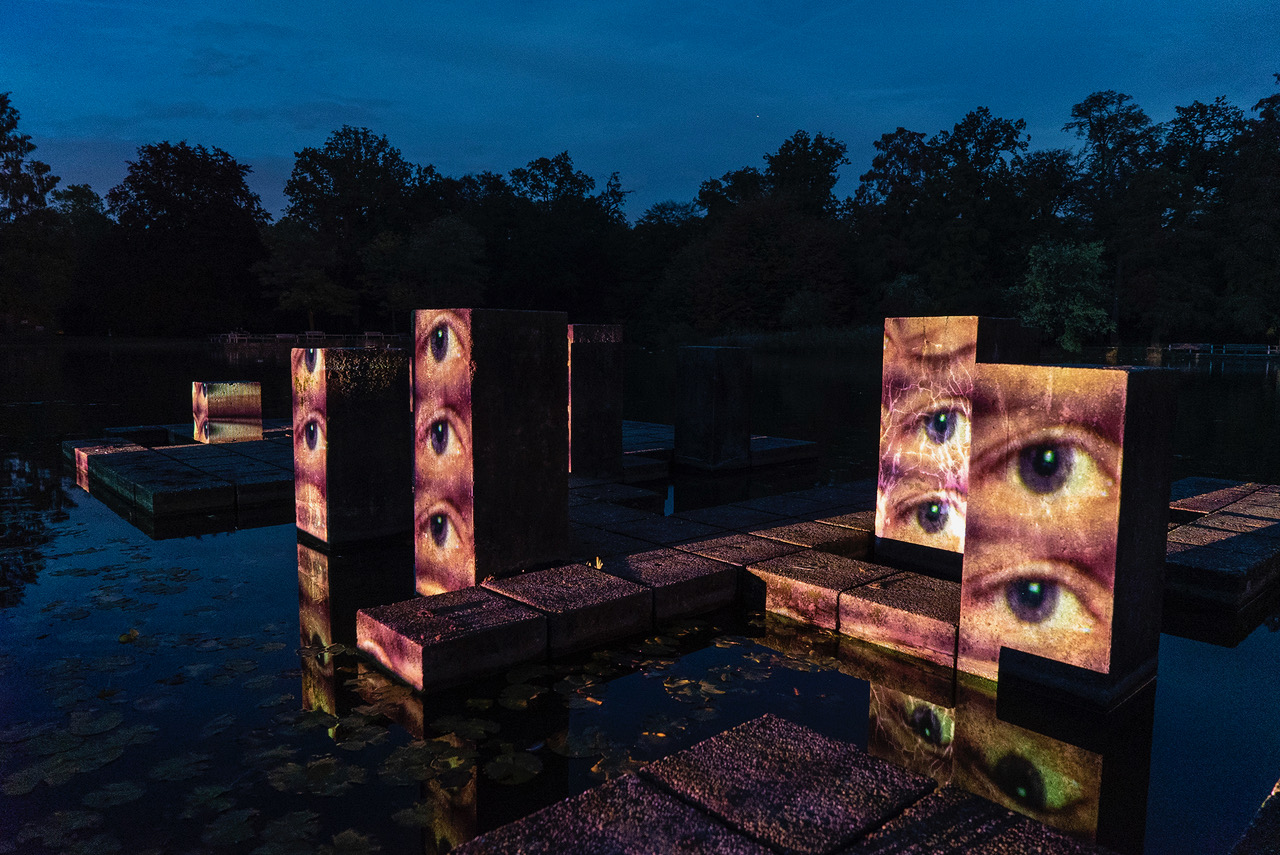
{"x": 578, "y": 744}
{"x": 217, "y": 725}
{"x": 209, "y": 799}
{"x": 83, "y": 723}
{"x": 266, "y": 681}
{"x": 240, "y": 666}
{"x": 23, "y": 781}
{"x": 55, "y": 830}
{"x": 53, "y": 743}
{"x": 276, "y": 700}
{"x": 408, "y": 764}
{"x": 466, "y": 728}
{"x": 115, "y": 793}
{"x": 290, "y": 834}
{"x": 134, "y": 734}
{"x": 271, "y": 646}
{"x": 183, "y": 767}
{"x": 518, "y": 695}
{"x": 324, "y": 776}
{"x": 351, "y": 842}
{"x": 420, "y": 815}
{"x": 479, "y": 704}
{"x": 24, "y": 731}
{"x": 99, "y": 844}
{"x": 229, "y": 828}
{"x": 515, "y": 768}
{"x": 583, "y": 701}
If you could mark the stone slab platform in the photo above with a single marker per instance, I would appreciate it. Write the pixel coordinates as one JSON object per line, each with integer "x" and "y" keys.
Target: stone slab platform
{"x": 908, "y": 612}
{"x": 1230, "y": 555}
{"x": 682, "y": 583}
{"x": 452, "y": 637}
{"x": 806, "y": 585}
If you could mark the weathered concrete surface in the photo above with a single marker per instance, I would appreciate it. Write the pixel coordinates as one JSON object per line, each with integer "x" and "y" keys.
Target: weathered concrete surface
{"x": 739, "y": 549}
{"x": 731, "y": 516}
{"x": 682, "y": 583}
{"x": 908, "y": 612}
{"x": 1193, "y": 497}
{"x": 667, "y": 530}
{"x": 450, "y": 637}
{"x": 584, "y": 606}
{"x": 788, "y": 787}
{"x": 806, "y": 585}
{"x": 606, "y": 514}
{"x": 837, "y": 540}
{"x": 856, "y": 520}
{"x": 588, "y": 542}
{"x": 768, "y": 450}
{"x": 882, "y": 666}
{"x": 626, "y": 815}
{"x": 951, "y": 821}
{"x": 785, "y": 505}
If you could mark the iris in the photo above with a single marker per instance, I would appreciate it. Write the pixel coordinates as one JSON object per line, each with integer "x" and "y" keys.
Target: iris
{"x": 439, "y": 436}
{"x": 1045, "y": 468}
{"x": 1032, "y": 600}
{"x": 932, "y": 515}
{"x": 924, "y": 721}
{"x": 941, "y": 426}
{"x": 1019, "y": 778}
{"x": 439, "y": 528}
{"x": 440, "y": 342}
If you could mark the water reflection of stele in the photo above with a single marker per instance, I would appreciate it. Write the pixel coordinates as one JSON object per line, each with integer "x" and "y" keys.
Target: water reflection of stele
{"x": 1068, "y": 497}
{"x": 226, "y": 411}
{"x": 350, "y": 443}
{"x": 911, "y": 732}
{"x": 490, "y": 438}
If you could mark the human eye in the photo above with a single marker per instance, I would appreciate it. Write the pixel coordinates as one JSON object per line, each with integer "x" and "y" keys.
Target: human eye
{"x": 310, "y": 431}
{"x": 442, "y": 337}
{"x": 446, "y": 435}
{"x": 945, "y": 423}
{"x": 930, "y": 517}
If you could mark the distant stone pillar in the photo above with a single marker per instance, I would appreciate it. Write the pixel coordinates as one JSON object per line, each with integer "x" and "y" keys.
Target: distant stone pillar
{"x": 713, "y": 407}
{"x": 491, "y": 444}
{"x": 1068, "y": 506}
{"x": 352, "y": 443}
{"x": 226, "y": 412}
{"x": 595, "y": 400}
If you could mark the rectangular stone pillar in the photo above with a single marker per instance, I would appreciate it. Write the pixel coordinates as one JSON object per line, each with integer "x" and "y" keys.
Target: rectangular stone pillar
{"x": 491, "y": 444}
{"x": 713, "y": 407}
{"x": 925, "y": 418}
{"x": 595, "y": 400}
{"x": 1067, "y": 519}
{"x": 352, "y": 443}
{"x": 226, "y": 412}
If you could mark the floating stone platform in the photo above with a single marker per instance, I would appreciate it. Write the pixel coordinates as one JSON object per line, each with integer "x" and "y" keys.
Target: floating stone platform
{"x": 773, "y": 786}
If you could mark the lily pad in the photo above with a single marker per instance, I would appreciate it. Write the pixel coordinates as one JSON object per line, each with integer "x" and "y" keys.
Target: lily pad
{"x": 290, "y": 834}
{"x": 53, "y": 743}
{"x": 217, "y": 725}
{"x": 421, "y": 815}
{"x": 518, "y": 695}
{"x": 515, "y": 768}
{"x": 325, "y": 776}
{"x": 351, "y": 842}
{"x": 229, "y": 828}
{"x": 466, "y": 728}
{"x": 181, "y": 768}
{"x": 209, "y": 799}
{"x": 115, "y": 793}
{"x": 84, "y": 723}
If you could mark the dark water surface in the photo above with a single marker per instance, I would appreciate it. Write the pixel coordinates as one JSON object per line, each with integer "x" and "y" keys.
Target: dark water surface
{"x": 152, "y": 692}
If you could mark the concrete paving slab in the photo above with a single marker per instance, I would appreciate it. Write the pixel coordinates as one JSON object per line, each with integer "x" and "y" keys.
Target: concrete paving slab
{"x": 451, "y": 637}
{"x": 638, "y": 468}
{"x": 837, "y": 540}
{"x": 1260, "y": 527}
{"x": 1222, "y": 575}
{"x": 588, "y": 542}
{"x": 164, "y": 493}
{"x": 908, "y": 612}
{"x": 731, "y": 516}
{"x": 1192, "y": 497}
{"x": 951, "y": 821}
{"x": 626, "y": 816}
{"x": 856, "y": 520}
{"x": 605, "y": 515}
{"x": 667, "y": 530}
{"x": 771, "y": 450}
{"x": 1199, "y": 534}
{"x": 584, "y": 607}
{"x": 1261, "y": 504}
{"x": 789, "y": 787}
{"x": 739, "y": 549}
{"x": 266, "y": 488}
{"x": 682, "y": 583}
{"x": 621, "y": 494}
{"x": 860, "y": 494}
{"x": 805, "y": 586}
{"x": 784, "y": 505}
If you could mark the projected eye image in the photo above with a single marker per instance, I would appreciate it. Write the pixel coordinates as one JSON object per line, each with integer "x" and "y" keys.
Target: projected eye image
{"x": 310, "y": 444}
{"x": 911, "y": 732}
{"x": 925, "y": 418}
{"x": 1039, "y": 571}
{"x": 226, "y": 412}
{"x": 444, "y": 545}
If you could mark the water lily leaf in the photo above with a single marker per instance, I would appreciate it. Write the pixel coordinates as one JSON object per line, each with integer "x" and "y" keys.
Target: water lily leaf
{"x": 614, "y": 765}
{"x": 275, "y": 700}
{"x": 115, "y": 793}
{"x": 183, "y": 767}
{"x": 466, "y": 728}
{"x": 239, "y": 641}
{"x": 23, "y": 781}
{"x": 240, "y": 666}
{"x": 408, "y": 764}
{"x": 420, "y": 815}
{"x": 83, "y": 723}
{"x": 99, "y": 844}
{"x": 325, "y": 776}
{"x": 217, "y": 725}
{"x": 24, "y": 731}
{"x": 229, "y": 828}
{"x": 512, "y": 769}
{"x": 479, "y": 704}
{"x": 271, "y": 646}
{"x": 134, "y": 734}
{"x": 290, "y": 834}
{"x": 57, "y": 828}
{"x": 583, "y": 701}
{"x": 53, "y": 743}
{"x": 578, "y": 744}
{"x": 266, "y": 681}
{"x": 209, "y": 799}
{"x": 351, "y": 842}
{"x": 518, "y": 695}
{"x": 704, "y": 714}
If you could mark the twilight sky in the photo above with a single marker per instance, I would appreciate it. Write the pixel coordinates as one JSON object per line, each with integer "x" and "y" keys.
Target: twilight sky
{"x": 665, "y": 93}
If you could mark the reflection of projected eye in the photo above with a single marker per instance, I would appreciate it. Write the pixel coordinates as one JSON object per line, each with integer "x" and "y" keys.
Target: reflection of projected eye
{"x": 312, "y": 434}
{"x": 204, "y": 428}
{"x": 926, "y": 725}
{"x": 439, "y": 529}
{"x": 1019, "y": 778}
{"x": 932, "y": 515}
{"x": 439, "y": 436}
{"x": 1032, "y": 600}
{"x": 1045, "y": 468}
{"x": 440, "y": 342}
{"x": 310, "y": 359}
{"x": 940, "y": 426}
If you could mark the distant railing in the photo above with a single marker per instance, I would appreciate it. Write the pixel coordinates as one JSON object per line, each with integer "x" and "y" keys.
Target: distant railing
{"x": 314, "y": 338}
{"x": 1224, "y": 349}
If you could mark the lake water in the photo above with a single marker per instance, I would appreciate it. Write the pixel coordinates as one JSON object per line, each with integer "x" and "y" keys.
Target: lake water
{"x": 152, "y": 693}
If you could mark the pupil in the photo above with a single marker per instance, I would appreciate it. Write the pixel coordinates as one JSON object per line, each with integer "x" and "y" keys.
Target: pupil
{"x": 1032, "y": 600}
{"x": 313, "y": 435}
{"x": 1021, "y": 780}
{"x": 924, "y": 721}
{"x": 1045, "y": 468}
{"x": 439, "y": 436}
{"x": 310, "y": 359}
{"x": 439, "y": 342}
{"x": 439, "y": 529}
{"x": 932, "y": 516}
{"x": 941, "y": 426}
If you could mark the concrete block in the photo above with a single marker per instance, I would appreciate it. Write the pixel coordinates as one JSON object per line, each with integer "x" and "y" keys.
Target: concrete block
{"x": 786, "y": 505}
{"x": 1067, "y": 517}
{"x": 452, "y": 637}
{"x": 1231, "y": 577}
{"x": 638, "y": 469}
{"x": 333, "y": 586}
{"x": 226, "y": 411}
{"x": 911, "y": 732}
{"x": 606, "y": 514}
{"x": 952, "y": 820}
{"x": 864, "y": 521}
{"x": 1190, "y": 498}
{"x": 738, "y": 549}
{"x": 595, "y": 399}
{"x": 491, "y": 444}
{"x": 351, "y": 443}
{"x": 81, "y": 453}
{"x": 731, "y": 516}
{"x": 837, "y": 540}
{"x": 682, "y": 583}
{"x": 713, "y": 407}
{"x": 772, "y": 450}
{"x": 588, "y": 542}
{"x": 788, "y": 787}
{"x": 667, "y": 530}
{"x": 584, "y": 607}
{"x": 806, "y": 585}
{"x": 162, "y": 493}
{"x": 914, "y": 614}
{"x": 925, "y": 421}
{"x": 627, "y": 816}
{"x": 881, "y": 666}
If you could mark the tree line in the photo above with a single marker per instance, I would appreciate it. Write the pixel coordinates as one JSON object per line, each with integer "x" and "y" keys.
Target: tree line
{"x": 1146, "y": 232}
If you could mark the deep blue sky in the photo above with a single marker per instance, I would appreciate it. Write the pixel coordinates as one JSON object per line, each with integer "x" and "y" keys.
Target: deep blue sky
{"x": 665, "y": 93}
